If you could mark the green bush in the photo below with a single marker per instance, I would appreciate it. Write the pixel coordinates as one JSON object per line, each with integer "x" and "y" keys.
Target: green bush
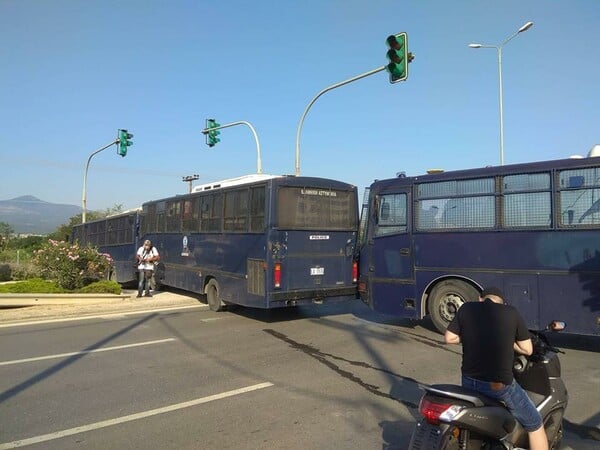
{"x": 24, "y": 271}
{"x": 39, "y": 286}
{"x": 101, "y": 287}
{"x": 72, "y": 266}
{"x": 33, "y": 286}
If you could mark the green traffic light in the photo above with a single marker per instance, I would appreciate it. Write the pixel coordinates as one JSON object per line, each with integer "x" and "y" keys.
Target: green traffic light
{"x": 211, "y": 135}
{"x": 398, "y": 56}
{"x": 124, "y": 141}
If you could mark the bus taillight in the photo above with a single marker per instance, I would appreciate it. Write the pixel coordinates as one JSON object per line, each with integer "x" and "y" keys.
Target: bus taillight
{"x": 354, "y": 271}
{"x": 277, "y": 275}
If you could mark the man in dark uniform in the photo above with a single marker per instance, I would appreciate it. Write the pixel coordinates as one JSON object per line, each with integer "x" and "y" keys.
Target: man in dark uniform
{"x": 490, "y": 332}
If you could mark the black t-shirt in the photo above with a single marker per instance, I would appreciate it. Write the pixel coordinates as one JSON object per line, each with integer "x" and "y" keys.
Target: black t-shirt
{"x": 488, "y": 331}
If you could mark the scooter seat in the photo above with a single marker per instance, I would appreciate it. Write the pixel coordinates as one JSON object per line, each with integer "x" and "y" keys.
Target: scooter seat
{"x": 470, "y": 395}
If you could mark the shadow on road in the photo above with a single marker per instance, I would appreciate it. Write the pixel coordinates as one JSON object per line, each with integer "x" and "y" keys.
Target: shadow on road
{"x": 70, "y": 360}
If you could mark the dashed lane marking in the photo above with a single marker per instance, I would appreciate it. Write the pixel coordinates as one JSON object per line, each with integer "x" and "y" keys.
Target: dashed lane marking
{"x": 131, "y": 417}
{"x": 83, "y": 352}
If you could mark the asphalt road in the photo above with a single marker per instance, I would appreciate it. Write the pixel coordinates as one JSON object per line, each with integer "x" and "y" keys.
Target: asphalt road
{"x": 328, "y": 376}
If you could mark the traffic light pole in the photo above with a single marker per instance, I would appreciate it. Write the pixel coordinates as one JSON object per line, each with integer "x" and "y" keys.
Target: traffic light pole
{"x": 337, "y": 85}
{"x": 83, "y": 196}
{"x": 242, "y": 122}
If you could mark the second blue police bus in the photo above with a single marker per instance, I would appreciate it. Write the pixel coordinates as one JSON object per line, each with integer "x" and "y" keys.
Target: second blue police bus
{"x": 430, "y": 243}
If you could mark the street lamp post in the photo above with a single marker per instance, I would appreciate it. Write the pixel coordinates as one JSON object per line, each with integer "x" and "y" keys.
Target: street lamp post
{"x": 525, "y": 27}
{"x": 87, "y": 166}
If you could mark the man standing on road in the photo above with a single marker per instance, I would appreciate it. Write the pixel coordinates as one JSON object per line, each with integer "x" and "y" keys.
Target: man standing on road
{"x": 146, "y": 255}
{"x": 490, "y": 332}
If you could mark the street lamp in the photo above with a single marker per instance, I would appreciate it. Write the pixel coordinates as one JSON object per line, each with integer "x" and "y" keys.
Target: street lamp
{"x": 525, "y": 27}
{"x": 189, "y": 179}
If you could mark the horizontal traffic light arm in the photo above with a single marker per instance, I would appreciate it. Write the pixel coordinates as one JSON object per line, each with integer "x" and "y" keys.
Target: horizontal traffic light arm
{"x": 205, "y": 131}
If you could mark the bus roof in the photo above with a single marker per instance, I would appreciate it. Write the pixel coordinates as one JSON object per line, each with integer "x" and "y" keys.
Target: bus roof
{"x": 126, "y": 212}
{"x": 536, "y": 166}
{"x": 244, "y": 179}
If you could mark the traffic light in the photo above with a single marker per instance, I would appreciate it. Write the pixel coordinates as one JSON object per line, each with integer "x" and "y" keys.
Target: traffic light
{"x": 124, "y": 141}
{"x": 398, "y": 56}
{"x": 211, "y": 135}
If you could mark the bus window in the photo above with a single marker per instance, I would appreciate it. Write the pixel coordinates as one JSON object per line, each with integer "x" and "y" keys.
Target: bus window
{"x": 523, "y": 206}
{"x": 211, "y": 212}
{"x": 236, "y": 210}
{"x": 190, "y": 220}
{"x": 456, "y": 204}
{"x": 216, "y": 212}
{"x": 392, "y": 214}
{"x": 428, "y": 215}
{"x": 323, "y": 209}
{"x": 580, "y": 196}
{"x": 160, "y": 217}
{"x": 257, "y": 209}
{"x": 173, "y": 217}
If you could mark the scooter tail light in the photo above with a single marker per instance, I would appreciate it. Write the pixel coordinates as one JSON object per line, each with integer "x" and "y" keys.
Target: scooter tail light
{"x": 434, "y": 413}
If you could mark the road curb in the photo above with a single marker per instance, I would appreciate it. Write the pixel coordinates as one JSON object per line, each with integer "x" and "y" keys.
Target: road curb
{"x": 17, "y": 300}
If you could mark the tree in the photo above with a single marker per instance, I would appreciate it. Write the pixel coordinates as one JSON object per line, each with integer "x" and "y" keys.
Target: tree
{"x": 6, "y": 230}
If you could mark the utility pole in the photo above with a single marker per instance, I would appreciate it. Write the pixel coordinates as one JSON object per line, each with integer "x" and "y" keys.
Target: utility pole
{"x": 189, "y": 179}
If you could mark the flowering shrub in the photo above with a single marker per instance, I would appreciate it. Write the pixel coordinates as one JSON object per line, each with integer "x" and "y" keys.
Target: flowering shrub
{"x": 71, "y": 265}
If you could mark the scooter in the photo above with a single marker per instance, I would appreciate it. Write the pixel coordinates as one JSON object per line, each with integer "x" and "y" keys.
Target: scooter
{"x": 457, "y": 418}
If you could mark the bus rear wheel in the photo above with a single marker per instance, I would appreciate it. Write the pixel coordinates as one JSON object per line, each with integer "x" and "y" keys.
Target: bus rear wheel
{"x": 445, "y": 299}
{"x": 212, "y": 296}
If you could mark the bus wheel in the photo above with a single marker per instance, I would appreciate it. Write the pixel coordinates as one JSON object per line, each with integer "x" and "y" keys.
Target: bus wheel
{"x": 445, "y": 299}
{"x": 212, "y": 296}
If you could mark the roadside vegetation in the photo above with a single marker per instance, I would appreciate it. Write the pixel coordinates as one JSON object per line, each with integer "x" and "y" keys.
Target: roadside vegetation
{"x": 51, "y": 264}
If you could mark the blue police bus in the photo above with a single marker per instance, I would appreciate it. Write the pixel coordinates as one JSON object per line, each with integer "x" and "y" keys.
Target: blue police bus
{"x": 259, "y": 240}
{"x": 117, "y": 235}
{"x": 430, "y": 243}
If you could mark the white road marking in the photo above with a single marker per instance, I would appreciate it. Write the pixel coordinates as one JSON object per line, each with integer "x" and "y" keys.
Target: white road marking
{"x": 129, "y": 418}
{"x": 98, "y": 316}
{"x": 106, "y": 349}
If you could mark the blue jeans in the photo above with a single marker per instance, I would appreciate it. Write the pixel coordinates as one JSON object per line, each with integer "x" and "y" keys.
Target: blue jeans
{"x": 515, "y": 399}
{"x": 144, "y": 279}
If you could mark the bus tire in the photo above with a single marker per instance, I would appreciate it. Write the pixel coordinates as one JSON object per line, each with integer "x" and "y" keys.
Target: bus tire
{"x": 212, "y": 296}
{"x": 445, "y": 299}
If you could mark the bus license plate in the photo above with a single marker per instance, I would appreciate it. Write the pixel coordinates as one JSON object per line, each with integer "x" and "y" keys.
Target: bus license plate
{"x": 317, "y": 270}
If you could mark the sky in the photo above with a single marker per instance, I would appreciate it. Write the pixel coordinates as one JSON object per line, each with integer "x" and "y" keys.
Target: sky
{"x": 75, "y": 71}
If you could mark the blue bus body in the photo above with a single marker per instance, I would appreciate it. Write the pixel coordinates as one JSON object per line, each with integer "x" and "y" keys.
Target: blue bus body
{"x": 433, "y": 242}
{"x": 117, "y": 235}
{"x": 260, "y": 241}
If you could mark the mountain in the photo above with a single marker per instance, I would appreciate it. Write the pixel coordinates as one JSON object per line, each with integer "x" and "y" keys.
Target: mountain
{"x": 30, "y": 215}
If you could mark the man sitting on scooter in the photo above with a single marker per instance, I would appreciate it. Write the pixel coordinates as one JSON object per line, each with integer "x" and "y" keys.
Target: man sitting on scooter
{"x": 490, "y": 332}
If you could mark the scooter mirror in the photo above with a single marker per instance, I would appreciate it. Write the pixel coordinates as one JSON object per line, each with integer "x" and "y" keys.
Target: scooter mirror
{"x": 557, "y": 325}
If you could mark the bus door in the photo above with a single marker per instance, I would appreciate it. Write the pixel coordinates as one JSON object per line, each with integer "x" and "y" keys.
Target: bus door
{"x": 391, "y": 260}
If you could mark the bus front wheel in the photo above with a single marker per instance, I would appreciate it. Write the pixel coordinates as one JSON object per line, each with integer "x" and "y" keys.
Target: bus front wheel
{"x": 212, "y": 296}
{"x": 445, "y": 299}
